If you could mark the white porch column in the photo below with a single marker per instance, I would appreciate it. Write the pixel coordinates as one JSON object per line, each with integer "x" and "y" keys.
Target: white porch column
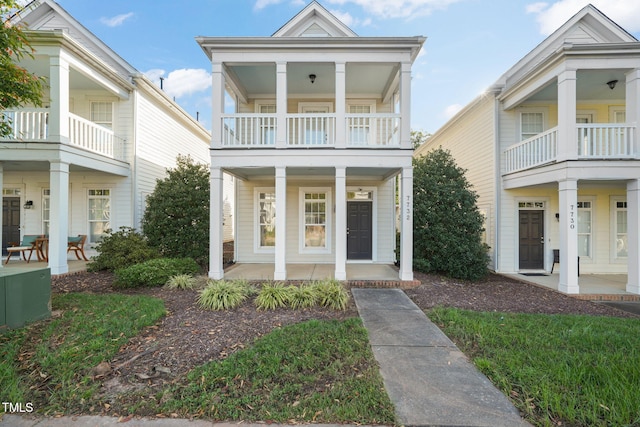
{"x": 341, "y": 105}
{"x": 341, "y": 223}
{"x": 217, "y": 108}
{"x": 568, "y": 201}
{"x": 216, "y": 208}
{"x": 280, "y": 272}
{"x": 59, "y": 90}
{"x": 633, "y": 234}
{"x": 281, "y": 105}
{"x": 406, "y": 224}
{"x": 59, "y": 217}
{"x": 567, "y": 138}
{"x": 633, "y": 104}
{"x": 405, "y": 105}
{"x": 1, "y": 199}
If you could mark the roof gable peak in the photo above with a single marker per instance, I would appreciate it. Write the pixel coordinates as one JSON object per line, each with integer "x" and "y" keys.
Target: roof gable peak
{"x": 314, "y": 21}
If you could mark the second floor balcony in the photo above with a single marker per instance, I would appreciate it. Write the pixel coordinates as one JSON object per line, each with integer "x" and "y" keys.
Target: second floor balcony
{"x": 593, "y": 141}
{"x": 32, "y": 125}
{"x": 312, "y": 131}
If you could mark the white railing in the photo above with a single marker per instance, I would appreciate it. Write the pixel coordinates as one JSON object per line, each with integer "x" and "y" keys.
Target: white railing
{"x": 311, "y": 130}
{"x": 535, "y": 151}
{"x": 373, "y": 130}
{"x": 29, "y": 124}
{"x": 249, "y": 130}
{"x": 602, "y": 141}
{"x": 32, "y": 125}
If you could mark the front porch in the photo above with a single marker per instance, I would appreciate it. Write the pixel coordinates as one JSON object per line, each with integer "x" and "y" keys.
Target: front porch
{"x": 378, "y": 274}
{"x": 593, "y": 287}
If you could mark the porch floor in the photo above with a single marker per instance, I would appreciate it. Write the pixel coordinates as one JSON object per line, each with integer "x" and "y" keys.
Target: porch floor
{"x": 598, "y": 287}
{"x": 74, "y": 265}
{"x": 377, "y": 272}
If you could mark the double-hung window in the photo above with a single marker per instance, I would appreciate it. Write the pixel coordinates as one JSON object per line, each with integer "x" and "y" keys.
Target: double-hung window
{"x": 531, "y": 124}
{"x": 266, "y": 218}
{"x": 99, "y": 214}
{"x": 315, "y": 221}
{"x": 585, "y": 218}
{"x": 620, "y": 245}
{"x": 102, "y": 114}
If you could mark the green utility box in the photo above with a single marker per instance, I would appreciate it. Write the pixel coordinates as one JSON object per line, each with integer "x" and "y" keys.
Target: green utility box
{"x": 25, "y": 296}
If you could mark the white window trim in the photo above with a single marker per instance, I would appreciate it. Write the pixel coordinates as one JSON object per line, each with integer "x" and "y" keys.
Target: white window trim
{"x": 46, "y": 195}
{"x": 593, "y": 234}
{"x": 545, "y": 122}
{"x": 328, "y": 226}
{"x": 303, "y": 105}
{"x": 362, "y": 102}
{"x": 256, "y": 221}
{"x": 613, "y": 257}
{"x": 111, "y": 209}
{"x": 613, "y": 109}
{"x": 590, "y": 114}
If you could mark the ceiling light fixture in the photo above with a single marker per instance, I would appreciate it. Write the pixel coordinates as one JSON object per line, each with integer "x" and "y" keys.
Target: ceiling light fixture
{"x": 312, "y": 77}
{"x": 612, "y": 84}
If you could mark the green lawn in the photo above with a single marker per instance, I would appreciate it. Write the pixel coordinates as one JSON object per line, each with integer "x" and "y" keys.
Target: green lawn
{"x": 565, "y": 370}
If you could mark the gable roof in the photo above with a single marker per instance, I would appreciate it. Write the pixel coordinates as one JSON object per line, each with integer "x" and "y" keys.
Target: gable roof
{"x": 314, "y": 21}
{"x": 587, "y": 27}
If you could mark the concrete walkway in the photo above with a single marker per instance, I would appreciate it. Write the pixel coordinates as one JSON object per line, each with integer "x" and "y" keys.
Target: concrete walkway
{"x": 428, "y": 379}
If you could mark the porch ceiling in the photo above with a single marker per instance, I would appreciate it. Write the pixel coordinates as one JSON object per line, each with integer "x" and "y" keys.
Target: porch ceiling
{"x": 590, "y": 85}
{"x": 250, "y": 173}
{"x": 260, "y": 79}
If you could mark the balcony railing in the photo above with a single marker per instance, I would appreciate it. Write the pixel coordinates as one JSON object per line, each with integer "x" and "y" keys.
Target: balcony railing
{"x": 611, "y": 141}
{"x": 311, "y": 130}
{"x": 535, "y": 151}
{"x": 32, "y": 125}
{"x": 595, "y": 141}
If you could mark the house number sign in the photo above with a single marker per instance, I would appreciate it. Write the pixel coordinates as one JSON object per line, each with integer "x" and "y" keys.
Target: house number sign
{"x": 572, "y": 217}
{"x": 407, "y": 208}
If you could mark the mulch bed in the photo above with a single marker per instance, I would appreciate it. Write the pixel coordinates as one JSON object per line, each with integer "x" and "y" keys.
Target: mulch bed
{"x": 190, "y": 336}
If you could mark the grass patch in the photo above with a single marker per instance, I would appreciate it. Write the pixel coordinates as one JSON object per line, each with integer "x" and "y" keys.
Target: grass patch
{"x": 558, "y": 369}
{"x": 50, "y": 362}
{"x": 317, "y": 371}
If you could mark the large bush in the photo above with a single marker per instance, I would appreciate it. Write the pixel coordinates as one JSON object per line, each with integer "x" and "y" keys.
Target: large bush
{"x": 121, "y": 249}
{"x": 155, "y": 272}
{"x": 176, "y": 220}
{"x": 447, "y": 223}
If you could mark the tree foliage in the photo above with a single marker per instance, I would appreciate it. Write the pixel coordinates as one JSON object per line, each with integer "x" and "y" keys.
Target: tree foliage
{"x": 419, "y": 137}
{"x": 176, "y": 220}
{"x": 448, "y": 226}
{"x": 18, "y": 86}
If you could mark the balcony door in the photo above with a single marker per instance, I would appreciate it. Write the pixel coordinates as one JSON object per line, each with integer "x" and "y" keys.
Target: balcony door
{"x": 315, "y": 129}
{"x": 531, "y": 239}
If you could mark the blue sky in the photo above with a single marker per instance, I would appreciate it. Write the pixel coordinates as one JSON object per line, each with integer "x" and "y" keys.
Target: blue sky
{"x": 470, "y": 43}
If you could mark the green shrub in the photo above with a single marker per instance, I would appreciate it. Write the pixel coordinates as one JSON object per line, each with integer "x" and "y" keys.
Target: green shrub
{"x": 448, "y": 227}
{"x": 155, "y": 272}
{"x": 224, "y": 294}
{"x": 331, "y": 294}
{"x": 272, "y": 296}
{"x": 181, "y": 281}
{"x": 121, "y": 249}
{"x": 303, "y": 296}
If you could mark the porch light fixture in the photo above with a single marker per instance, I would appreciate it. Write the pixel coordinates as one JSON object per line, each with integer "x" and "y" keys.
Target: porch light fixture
{"x": 612, "y": 84}
{"x": 312, "y": 78}
{"x": 28, "y": 204}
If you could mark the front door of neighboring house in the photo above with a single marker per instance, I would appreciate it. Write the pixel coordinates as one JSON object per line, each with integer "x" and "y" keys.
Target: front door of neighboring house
{"x": 531, "y": 237}
{"x": 10, "y": 221}
{"x": 359, "y": 230}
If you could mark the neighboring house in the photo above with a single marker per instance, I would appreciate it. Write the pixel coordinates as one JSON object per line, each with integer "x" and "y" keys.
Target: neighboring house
{"x": 552, "y": 151}
{"x": 86, "y": 161}
{"x": 318, "y": 134}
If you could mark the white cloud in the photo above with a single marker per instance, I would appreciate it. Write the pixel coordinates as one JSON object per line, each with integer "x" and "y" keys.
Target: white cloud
{"x": 261, "y": 4}
{"x": 350, "y": 21}
{"x": 183, "y": 82}
{"x": 451, "y": 110}
{"x": 398, "y": 8}
{"x": 550, "y": 16}
{"x": 116, "y": 21}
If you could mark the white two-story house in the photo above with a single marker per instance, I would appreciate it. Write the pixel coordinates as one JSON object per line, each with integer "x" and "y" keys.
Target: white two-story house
{"x": 86, "y": 160}
{"x": 552, "y": 150}
{"x": 317, "y": 136}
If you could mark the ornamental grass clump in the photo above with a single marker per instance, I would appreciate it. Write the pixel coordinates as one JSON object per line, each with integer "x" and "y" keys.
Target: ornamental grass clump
{"x": 272, "y": 296}
{"x": 303, "y": 296}
{"x": 181, "y": 281}
{"x": 224, "y": 294}
{"x": 331, "y": 294}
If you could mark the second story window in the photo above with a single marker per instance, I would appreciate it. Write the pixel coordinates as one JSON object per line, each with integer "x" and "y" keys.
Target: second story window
{"x": 531, "y": 124}
{"x": 102, "y": 114}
